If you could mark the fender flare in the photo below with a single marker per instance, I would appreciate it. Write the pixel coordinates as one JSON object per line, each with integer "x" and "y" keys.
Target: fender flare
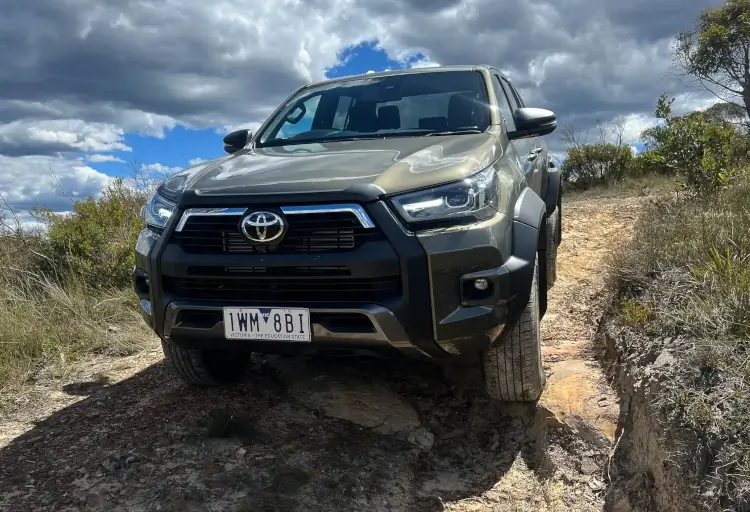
{"x": 529, "y": 216}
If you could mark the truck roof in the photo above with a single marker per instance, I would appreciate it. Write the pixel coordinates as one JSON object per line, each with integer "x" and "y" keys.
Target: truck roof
{"x": 412, "y": 71}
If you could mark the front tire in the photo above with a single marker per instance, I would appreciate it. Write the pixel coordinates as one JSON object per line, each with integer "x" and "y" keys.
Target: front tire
{"x": 205, "y": 368}
{"x": 512, "y": 367}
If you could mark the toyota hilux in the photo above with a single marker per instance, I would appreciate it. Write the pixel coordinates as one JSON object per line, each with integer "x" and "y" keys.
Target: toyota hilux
{"x": 410, "y": 211}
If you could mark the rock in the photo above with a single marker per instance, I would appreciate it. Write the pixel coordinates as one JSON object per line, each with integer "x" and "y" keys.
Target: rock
{"x": 370, "y": 404}
{"x": 589, "y": 466}
{"x": 451, "y": 435}
{"x": 595, "y": 484}
{"x": 98, "y": 502}
{"x": 664, "y": 359}
{"x": 422, "y": 438}
{"x": 587, "y": 432}
{"x": 575, "y": 425}
{"x": 109, "y": 465}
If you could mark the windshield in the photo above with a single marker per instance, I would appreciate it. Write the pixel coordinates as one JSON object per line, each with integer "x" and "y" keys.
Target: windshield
{"x": 386, "y": 106}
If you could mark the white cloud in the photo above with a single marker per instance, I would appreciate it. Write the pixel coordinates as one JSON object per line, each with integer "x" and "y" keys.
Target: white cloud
{"x": 99, "y": 158}
{"x": 689, "y": 102}
{"x": 634, "y": 125}
{"x": 195, "y": 161}
{"x": 23, "y": 137}
{"x": 424, "y": 63}
{"x": 157, "y": 168}
{"x": 30, "y": 181}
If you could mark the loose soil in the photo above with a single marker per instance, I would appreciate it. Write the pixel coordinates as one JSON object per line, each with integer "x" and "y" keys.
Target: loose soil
{"x": 331, "y": 434}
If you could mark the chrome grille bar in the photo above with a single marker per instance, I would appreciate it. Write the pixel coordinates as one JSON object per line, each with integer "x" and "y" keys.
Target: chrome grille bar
{"x": 358, "y": 211}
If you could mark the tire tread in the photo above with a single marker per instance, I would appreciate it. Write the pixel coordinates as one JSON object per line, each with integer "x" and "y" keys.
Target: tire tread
{"x": 513, "y": 367}
{"x": 194, "y": 368}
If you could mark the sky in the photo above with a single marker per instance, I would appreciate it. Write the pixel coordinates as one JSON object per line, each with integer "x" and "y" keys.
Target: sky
{"x": 92, "y": 89}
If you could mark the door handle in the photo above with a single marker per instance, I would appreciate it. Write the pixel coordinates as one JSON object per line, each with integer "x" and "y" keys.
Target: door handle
{"x": 533, "y": 154}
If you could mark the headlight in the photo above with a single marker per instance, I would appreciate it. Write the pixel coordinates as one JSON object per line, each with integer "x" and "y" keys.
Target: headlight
{"x": 162, "y": 204}
{"x": 172, "y": 187}
{"x": 475, "y": 197}
{"x": 157, "y": 212}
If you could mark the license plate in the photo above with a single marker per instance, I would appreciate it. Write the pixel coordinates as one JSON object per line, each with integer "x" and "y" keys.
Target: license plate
{"x": 273, "y": 324}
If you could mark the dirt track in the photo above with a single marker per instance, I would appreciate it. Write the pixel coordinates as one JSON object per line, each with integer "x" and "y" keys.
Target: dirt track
{"x": 339, "y": 434}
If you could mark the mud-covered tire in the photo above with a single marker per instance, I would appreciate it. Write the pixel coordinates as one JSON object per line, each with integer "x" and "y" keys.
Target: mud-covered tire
{"x": 512, "y": 367}
{"x": 551, "y": 251}
{"x": 205, "y": 367}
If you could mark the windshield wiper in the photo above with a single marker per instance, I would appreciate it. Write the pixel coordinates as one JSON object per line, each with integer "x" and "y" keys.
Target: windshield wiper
{"x": 454, "y": 132}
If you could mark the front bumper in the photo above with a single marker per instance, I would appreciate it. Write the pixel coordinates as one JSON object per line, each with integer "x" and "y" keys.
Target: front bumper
{"x": 437, "y": 312}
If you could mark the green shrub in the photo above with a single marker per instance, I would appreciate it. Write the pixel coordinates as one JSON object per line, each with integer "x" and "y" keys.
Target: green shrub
{"x": 704, "y": 151}
{"x": 594, "y": 165}
{"x": 95, "y": 242}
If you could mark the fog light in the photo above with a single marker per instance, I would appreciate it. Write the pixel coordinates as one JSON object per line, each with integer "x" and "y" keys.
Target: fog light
{"x": 481, "y": 284}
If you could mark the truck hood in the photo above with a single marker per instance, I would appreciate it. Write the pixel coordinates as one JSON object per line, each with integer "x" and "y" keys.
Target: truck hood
{"x": 379, "y": 166}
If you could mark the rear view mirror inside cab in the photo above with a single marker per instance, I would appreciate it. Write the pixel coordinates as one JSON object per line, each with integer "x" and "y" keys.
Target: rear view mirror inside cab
{"x": 297, "y": 114}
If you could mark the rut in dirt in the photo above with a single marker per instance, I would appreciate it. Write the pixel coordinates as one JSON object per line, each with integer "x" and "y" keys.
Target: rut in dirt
{"x": 337, "y": 433}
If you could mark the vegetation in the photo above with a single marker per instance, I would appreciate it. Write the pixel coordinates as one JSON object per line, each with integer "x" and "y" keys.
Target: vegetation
{"x": 683, "y": 289}
{"x": 65, "y": 294}
{"x": 715, "y": 53}
{"x": 606, "y": 162}
{"x": 683, "y": 283}
{"x": 702, "y": 151}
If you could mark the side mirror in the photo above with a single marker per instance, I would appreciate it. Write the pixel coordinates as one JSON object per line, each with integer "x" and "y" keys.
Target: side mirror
{"x": 533, "y": 122}
{"x": 236, "y": 140}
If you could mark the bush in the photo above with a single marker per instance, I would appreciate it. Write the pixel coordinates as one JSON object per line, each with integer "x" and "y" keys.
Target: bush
{"x": 67, "y": 293}
{"x": 705, "y": 151}
{"x": 593, "y": 165}
{"x": 95, "y": 242}
{"x": 684, "y": 283}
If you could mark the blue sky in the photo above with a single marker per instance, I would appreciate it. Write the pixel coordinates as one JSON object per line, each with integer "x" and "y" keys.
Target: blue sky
{"x": 180, "y": 145}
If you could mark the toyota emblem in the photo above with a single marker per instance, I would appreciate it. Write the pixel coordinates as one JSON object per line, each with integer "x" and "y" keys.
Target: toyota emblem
{"x": 263, "y": 227}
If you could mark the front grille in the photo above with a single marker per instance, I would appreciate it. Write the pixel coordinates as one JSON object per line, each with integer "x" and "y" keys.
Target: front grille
{"x": 269, "y": 271}
{"x": 308, "y": 233}
{"x": 310, "y": 290}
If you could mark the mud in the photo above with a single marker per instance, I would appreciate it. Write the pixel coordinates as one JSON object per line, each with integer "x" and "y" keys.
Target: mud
{"x": 334, "y": 434}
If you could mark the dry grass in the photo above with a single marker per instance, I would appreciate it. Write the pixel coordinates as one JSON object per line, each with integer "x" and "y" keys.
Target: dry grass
{"x": 684, "y": 285}
{"x": 640, "y": 186}
{"x": 64, "y": 291}
{"x": 47, "y": 322}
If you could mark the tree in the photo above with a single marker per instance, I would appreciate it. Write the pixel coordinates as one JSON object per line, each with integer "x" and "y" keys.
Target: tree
{"x": 717, "y": 52}
{"x": 730, "y": 114}
{"x": 605, "y": 161}
{"x": 707, "y": 152}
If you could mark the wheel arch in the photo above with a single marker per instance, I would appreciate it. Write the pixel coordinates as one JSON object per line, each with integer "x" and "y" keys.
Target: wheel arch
{"x": 529, "y": 238}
